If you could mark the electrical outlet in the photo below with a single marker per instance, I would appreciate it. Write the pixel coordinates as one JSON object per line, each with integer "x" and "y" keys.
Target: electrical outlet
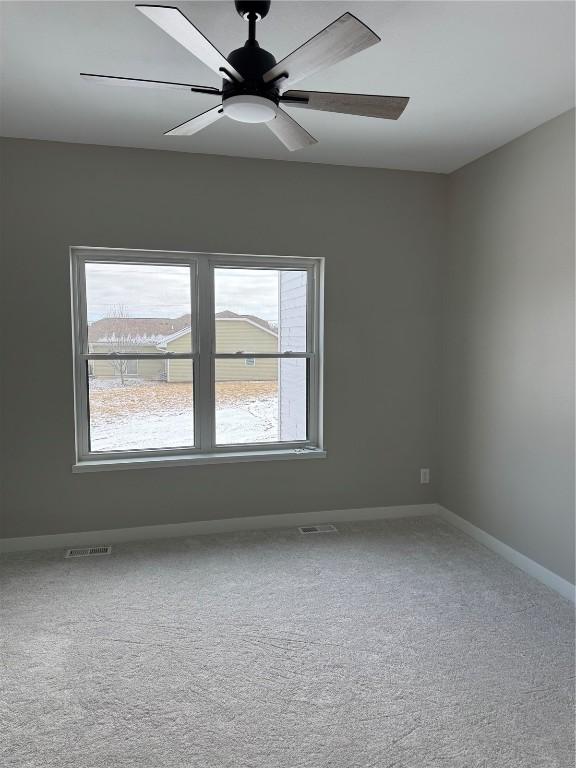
{"x": 424, "y": 476}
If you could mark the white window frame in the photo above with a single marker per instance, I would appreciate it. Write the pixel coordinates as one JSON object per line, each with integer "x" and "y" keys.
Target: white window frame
{"x": 202, "y": 356}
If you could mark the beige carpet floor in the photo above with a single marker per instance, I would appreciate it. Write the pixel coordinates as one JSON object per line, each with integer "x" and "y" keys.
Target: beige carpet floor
{"x": 398, "y": 644}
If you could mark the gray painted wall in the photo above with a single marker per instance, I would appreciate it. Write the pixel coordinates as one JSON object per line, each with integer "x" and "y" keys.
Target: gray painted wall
{"x": 381, "y": 232}
{"x": 507, "y": 386}
{"x": 499, "y": 273}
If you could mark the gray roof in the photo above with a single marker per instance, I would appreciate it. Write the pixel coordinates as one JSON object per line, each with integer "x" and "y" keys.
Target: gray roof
{"x": 154, "y": 330}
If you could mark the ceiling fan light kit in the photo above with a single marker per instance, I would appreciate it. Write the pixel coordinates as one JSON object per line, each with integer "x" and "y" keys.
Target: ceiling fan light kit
{"x": 255, "y": 86}
{"x": 250, "y": 109}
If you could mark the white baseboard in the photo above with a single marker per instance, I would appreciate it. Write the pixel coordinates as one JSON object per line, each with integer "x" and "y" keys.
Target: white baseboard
{"x": 531, "y": 567}
{"x": 291, "y": 520}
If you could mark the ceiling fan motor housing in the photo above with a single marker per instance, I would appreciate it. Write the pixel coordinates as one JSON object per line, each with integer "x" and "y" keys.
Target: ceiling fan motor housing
{"x": 253, "y": 100}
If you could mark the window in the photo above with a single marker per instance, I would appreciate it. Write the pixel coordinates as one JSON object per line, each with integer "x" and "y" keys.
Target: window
{"x": 195, "y": 357}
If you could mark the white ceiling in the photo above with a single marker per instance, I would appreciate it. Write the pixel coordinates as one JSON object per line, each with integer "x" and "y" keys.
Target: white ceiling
{"x": 478, "y": 74}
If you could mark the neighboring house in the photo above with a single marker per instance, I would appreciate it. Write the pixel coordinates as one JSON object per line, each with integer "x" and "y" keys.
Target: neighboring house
{"x": 234, "y": 333}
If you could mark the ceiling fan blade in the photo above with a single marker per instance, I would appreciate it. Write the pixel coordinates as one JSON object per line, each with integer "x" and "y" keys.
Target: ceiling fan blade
{"x": 114, "y": 80}
{"x": 339, "y": 40}
{"x": 197, "y": 123}
{"x": 387, "y": 107}
{"x": 174, "y": 23}
{"x": 290, "y": 133}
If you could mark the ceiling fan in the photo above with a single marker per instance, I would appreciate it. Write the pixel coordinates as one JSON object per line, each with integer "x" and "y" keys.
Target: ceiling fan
{"x": 255, "y": 86}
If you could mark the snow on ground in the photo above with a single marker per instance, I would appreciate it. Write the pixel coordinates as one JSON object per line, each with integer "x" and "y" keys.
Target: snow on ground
{"x": 114, "y": 383}
{"x": 146, "y": 415}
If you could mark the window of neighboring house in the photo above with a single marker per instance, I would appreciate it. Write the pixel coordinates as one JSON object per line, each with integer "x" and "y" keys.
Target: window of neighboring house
{"x": 132, "y": 367}
{"x": 195, "y": 356}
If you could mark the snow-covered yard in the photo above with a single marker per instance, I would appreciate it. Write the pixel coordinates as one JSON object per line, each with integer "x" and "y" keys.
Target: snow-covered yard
{"x": 145, "y": 415}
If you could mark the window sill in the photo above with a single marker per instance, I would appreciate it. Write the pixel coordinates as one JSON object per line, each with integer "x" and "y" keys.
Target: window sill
{"x": 107, "y": 465}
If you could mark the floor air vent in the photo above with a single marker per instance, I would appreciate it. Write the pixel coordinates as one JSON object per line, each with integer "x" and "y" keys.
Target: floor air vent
{"x": 327, "y": 528}
{"x": 88, "y": 551}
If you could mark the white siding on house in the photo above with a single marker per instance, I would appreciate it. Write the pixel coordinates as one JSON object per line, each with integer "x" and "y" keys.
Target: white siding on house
{"x": 292, "y": 311}
{"x": 292, "y": 399}
{"x": 292, "y": 389}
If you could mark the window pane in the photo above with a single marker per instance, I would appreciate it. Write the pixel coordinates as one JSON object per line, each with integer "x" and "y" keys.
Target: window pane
{"x": 147, "y": 410}
{"x": 260, "y": 403}
{"x": 143, "y": 308}
{"x": 260, "y": 310}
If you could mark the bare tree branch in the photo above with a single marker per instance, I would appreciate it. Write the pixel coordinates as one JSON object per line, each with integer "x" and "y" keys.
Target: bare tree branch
{"x": 122, "y": 339}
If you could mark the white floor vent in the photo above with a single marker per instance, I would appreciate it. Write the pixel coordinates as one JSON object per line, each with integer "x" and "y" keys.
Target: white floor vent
{"x": 327, "y": 528}
{"x": 88, "y": 551}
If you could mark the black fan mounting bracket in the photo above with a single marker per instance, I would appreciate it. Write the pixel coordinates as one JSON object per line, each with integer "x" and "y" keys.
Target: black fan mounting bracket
{"x": 249, "y": 8}
{"x": 251, "y": 61}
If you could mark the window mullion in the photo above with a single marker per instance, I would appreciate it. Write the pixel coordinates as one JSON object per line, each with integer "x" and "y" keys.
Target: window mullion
{"x": 136, "y": 356}
{"x": 206, "y": 406}
{"x": 262, "y": 355}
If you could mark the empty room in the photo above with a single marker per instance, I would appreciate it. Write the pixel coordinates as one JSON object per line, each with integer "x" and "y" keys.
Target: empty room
{"x": 287, "y": 402}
